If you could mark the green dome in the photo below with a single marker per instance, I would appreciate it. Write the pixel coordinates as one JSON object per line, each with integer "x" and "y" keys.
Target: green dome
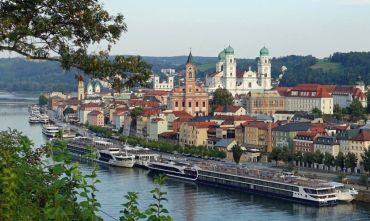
{"x": 90, "y": 84}
{"x": 264, "y": 51}
{"x": 229, "y": 50}
{"x": 221, "y": 55}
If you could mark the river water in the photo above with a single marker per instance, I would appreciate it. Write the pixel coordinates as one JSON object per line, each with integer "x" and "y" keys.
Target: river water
{"x": 186, "y": 201}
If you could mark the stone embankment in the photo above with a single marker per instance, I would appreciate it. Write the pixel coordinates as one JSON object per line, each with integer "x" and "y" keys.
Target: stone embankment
{"x": 363, "y": 196}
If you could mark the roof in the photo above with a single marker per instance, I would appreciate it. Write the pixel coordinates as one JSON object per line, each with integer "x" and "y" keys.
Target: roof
{"x": 94, "y": 113}
{"x": 234, "y": 118}
{"x": 293, "y": 127}
{"x": 264, "y": 51}
{"x": 363, "y": 136}
{"x": 258, "y": 124}
{"x": 190, "y": 59}
{"x": 181, "y": 114}
{"x": 224, "y": 143}
{"x": 311, "y": 90}
{"x": 156, "y": 92}
{"x": 150, "y": 111}
{"x": 201, "y": 124}
{"x": 143, "y": 103}
{"x": 327, "y": 140}
{"x": 157, "y": 119}
{"x": 169, "y": 134}
{"x": 227, "y": 108}
{"x": 310, "y": 135}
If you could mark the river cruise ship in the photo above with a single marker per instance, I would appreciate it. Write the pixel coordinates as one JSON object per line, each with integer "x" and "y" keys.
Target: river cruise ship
{"x": 267, "y": 182}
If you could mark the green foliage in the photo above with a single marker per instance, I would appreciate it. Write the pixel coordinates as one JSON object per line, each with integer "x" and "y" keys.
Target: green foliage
{"x": 57, "y": 28}
{"x": 131, "y": 211}
{"x": 135, "y": 112}
{"x": 106, "y": 132}
{"x": 170, "y": 148}
{"x": 43, "y": 100}
{"x": 318, "y": 157}
{"x": 356, "y": 109}
{"x": 275, "y": 155}
{"x": 339, "y": 160}
{"x": 350, "y": 161}
{"x": 298, "y": 156}
{"x": 237, "y": 153}
{"x": 308, "y": 158}
{"x": 286, "y": 155}
{"x": 338, "y": 112}
{"x": 68, "y": 110}
{"x": 317, "y": 112}
{"x": 222, "y": 97}
{"x": 34, "y": 188}
{"x": 366, "y": 164}
{"x": 328, "y": 159}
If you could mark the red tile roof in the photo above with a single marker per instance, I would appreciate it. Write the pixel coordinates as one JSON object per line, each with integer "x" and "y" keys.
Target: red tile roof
{"x": 363, "y": 136}
{"x": 155, "y": 120}
{"x": 157, "y": 92}
{"x": 258, "y": 124}
{"x": 142, "y": 103}
{"x": 150, "y": 111}
{"x": 229, "y": 108}
{"x": 94, "y": 113}
{"x": 201, "y": 124}
{"x": 181, "y": 114}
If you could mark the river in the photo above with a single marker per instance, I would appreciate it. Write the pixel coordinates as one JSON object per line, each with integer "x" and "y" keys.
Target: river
{"x": 186, "y": 201}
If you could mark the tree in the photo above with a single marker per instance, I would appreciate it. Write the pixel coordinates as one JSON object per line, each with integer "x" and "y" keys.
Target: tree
{"x": 222, "y": 97}
{"x": 350, "y": 161}
{"x": 339, "y": 160}
{"x": 308, "y": 158}
{"x": 136, "y": 111}
{"x": 316, "y": 111}
{"x": 338, "y": 112}
{"x": 366, "y": 164}
{"x": 43, "y": 100}
{"x": 237, "y": 153}
{"x": 286, "y": 155}
{"x": 328, "y": 159}
{"x": 356, "y": 109}
{"x": 64, "y": 32}
{"x": 318, "y": 157}
{"x": 275, "y": 155}
{"x": 298, "y": 157}
{"x": 68, "y": 110}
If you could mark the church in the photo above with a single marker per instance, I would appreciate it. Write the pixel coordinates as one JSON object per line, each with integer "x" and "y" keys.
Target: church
{"x": 190, "y": 97}
{"x": 242, "y": 82}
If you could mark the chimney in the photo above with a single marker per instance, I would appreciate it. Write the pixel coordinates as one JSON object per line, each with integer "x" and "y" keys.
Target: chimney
{"x": 269, "y": 138}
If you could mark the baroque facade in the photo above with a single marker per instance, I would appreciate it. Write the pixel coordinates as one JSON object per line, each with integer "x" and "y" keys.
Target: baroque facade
{"x": 191, "y": 97}
{"x": 243, "y": 82}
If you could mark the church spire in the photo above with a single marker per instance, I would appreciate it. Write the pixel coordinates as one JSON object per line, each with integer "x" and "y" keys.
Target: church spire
{"x": 190, "y": 58}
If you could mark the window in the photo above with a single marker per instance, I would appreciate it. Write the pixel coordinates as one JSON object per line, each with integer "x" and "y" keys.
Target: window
{"x": 176, "y": 104}
{"x": 204, "y": 104}
{"x": 183, "y": 104}
{"x": 249, "y": 84}
{"x": 196, "y": 103}
{"x": 189, "y": 103}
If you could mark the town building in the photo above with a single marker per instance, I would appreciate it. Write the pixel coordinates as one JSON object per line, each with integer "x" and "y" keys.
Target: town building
{"x": 264, "y": 102}
{"x": 93, "y": 87}
{"x": 306, "y": 97}
{"x": 357, "y": 144}
{"x": 194, "y": 133}
{"x": 81, "y": 88}
{"x": 191, "y": 98}
{"x": 156, "y": 126}
{"x": 327, "y": 144}
{"x": 95, "y": 118}
{"x": 85, "y": 109}
{"x": 243, "y": 82}
{"x": 164, "y": 85}
{"x": 230, "y": 110}
{"x": 283, "y": 135}
{"x": 255, "y": 135}
{"x": 304, "y": 141}
{"x": 344, "y": 95}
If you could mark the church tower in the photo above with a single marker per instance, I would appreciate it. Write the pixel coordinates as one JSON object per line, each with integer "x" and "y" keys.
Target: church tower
{"x": 264, "y": 69}
{"x": 230, "y": 70}
{"x": 81, "y": 88}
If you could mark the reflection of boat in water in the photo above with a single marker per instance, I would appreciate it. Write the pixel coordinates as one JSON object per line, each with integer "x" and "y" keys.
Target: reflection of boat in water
{"x": 344, "y": 194}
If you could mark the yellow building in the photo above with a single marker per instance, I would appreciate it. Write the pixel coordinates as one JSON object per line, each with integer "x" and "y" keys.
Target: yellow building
{"x": 194, "y": 133}
{"x": 357, "y": 144}
{"x": 265, "y": 102}
{"x": 255, "y": 135}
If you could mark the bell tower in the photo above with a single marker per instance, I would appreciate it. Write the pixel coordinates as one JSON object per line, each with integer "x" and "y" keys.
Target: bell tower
{"x": 264, "y": 69}
{"x": 81, "y": 87}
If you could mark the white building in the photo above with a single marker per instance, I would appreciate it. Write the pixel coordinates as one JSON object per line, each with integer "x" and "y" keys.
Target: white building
{"x": 169, "y": 71}
{"x": 164, "y": 85}
{"x": 243, "y": 82}
{"x": 343, "y": 95}
{"x": 93, "y": 87}
{"x": 305, "y": 97}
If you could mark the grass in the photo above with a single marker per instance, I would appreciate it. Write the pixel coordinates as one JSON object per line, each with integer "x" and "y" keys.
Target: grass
{"x": 206, "y": 67}
{"x": 325, "y": 65}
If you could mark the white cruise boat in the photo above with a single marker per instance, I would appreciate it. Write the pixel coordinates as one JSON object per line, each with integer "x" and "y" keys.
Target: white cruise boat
{"x": 113, "y": 156}
{"x": 33, "y": 119}
{"x": 43, "y": 118}
{"x": 50, "y": 130}
{"x": 344, "y": 194}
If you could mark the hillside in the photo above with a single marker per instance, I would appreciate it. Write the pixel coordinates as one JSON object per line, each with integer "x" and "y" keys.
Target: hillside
{"x": 18, "y": 74}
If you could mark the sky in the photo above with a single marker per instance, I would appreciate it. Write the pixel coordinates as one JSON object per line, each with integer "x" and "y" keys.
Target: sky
{"x": 301, "y": 27}
{"x": 285, "y": 27}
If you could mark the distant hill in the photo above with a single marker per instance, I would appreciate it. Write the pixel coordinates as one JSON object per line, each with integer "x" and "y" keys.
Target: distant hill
{"x": 18, "y": 74}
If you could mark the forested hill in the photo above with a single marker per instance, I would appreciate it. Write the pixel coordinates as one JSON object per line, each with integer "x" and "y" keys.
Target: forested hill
{"x": 18, "y": 74}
